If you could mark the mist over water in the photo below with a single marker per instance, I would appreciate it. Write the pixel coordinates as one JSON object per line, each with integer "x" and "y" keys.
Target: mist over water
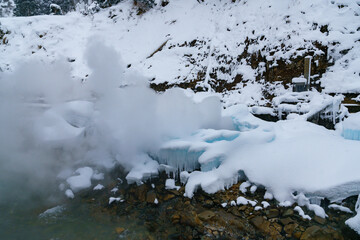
{"x": 51, "y": 124}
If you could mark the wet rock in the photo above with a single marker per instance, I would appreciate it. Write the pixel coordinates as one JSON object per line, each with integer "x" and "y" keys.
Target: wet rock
{"x": 272, "y": 230}
{"x": 260, "y": 223}
{"x": 297, "y": 234}
{"x": 286, "y": 221}
{"x": 168, "y": 197}
{"x": 243, "y": 208}
{"x": 319, "y": 233}
{"x": 175, "y": 218}
{"x": 238, "y": 224}
{"x": 272, "y": 213}
{"x": 235, "y": 211}
{"x": 288, "y": 212}
{"x": 151, "y": 196}
{"x": 192, "y": 220}
{"x": 208, "y": 203}
{"x": 277, "y": 227}
{"x": 319, "y": 220}
{"x": 139, "y": 193}
{"x": 290, "y": 228}
{"x": 206, "y": 215}
{"x": 119, "y": 230}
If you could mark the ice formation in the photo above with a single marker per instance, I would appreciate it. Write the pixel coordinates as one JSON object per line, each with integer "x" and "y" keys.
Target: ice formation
{"x": 351, "y": 127}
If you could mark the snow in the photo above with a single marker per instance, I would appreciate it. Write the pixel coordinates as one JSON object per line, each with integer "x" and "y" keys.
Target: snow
{"x": 69, "y": 193}
{"x": 301, "y": 213}
{"x": 82, "y": 180}
{"x": 53, "y": 5}
{"x": 243, "y": 187}
{"x": 98, "y": 187}
{"x": 184, "y": 175}
{"x": 115, "y": 199}
{"x": 224, "y": 205}
{"x": 170, "y": 184}
{"x": 243, "y": 201}
{"x": 340, "y": 208}
{"x": 268, "y": 195}
{"x": 302, "y": 200}
{"x": 253, "y": 189}
{"x": 243, "y": 19}
{"x": 156, "y": 201}
{"x": 52, "y": 212}
{"x": 145, "y": 168}
{"x": 299, "y": 80}
{"x": 265, "y": 204}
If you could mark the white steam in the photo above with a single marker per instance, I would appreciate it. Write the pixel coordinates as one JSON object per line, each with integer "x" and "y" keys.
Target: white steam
{"x": 49, "y": 122}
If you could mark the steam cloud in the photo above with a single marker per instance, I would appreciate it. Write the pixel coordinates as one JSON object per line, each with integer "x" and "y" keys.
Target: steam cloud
{"x": 51, "y": 123}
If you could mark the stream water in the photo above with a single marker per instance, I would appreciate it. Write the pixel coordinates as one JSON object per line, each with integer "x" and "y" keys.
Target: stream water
{"x": 76, "y": 219}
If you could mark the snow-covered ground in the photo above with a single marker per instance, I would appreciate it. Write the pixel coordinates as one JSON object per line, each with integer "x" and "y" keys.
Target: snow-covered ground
{"x": 280, "y": 30}
{"x": 71, "y": 104}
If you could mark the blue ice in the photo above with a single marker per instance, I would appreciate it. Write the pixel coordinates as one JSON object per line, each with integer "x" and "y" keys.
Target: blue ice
{"x": 222, "y": 138}
{"x": 206, "y": 167}
{"x": 351, "y": 134}
{"x": 180, "y": 158}
{"x": 243, "y": 126}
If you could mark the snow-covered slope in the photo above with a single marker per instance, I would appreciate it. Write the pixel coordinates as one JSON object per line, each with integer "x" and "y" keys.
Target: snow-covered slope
{"x": 205, "y": 45}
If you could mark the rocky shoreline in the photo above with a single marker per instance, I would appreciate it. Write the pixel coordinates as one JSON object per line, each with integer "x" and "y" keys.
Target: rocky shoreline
{"x": 166, "y": 214}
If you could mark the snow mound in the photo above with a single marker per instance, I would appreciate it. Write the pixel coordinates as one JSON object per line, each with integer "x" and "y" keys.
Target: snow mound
{"x": 82, "y": 180}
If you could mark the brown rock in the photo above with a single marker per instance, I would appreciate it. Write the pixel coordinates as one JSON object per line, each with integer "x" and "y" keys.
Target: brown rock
{"x": 239, "y": 224}
{"x": 150, "y": 196}
{"x": 286, "y": 221}
{"x": 243, "y": 208}
{"x": 206, "y": 215}
{"x": 290, "y": 228}
{"x": 168, "y": 197}
{"x": 260, "y": 223}
{"x": 235, "y": 211}
{"x": 175, "y": 218}
{"x": 297, "y": 234}
{"x": 208, "y": 203}
{"x": 140, "y": 193}
{"x": 319, "y": 220}
{"x": 191, "y": 219}
{"x": 319, "y": 233}
{"x": 277, "y": 227}
{"x": 119, "y": 230}
{"x": 288, "y": 212}
{"x": 272, "y": 213}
